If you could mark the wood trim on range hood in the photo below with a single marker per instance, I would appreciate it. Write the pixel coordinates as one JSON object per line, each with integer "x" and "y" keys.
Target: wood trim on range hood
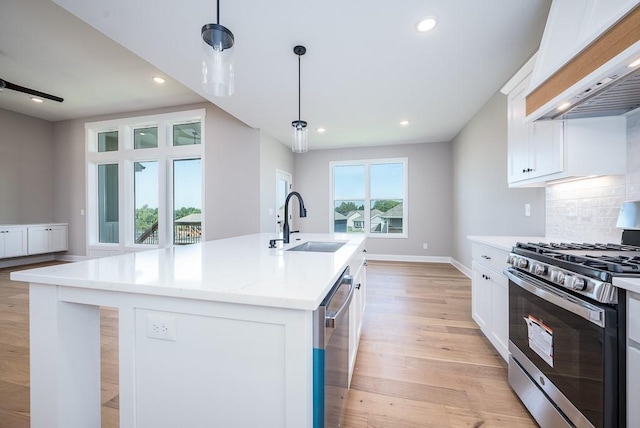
{"x": 612, "y": 42}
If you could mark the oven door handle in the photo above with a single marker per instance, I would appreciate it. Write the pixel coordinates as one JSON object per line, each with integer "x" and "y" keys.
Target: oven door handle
{"x": 557, "y": 297}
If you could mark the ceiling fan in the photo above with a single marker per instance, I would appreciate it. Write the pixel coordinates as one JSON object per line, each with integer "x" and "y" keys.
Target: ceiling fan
{"x": 8, "y": 85}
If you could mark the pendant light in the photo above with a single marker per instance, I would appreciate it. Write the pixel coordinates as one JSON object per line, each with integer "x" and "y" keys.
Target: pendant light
{"x": 299, "y": 142}
{"x": 217, "y": 56}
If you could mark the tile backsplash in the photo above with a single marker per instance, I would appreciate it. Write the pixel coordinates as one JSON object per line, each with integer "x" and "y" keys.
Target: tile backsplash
{"x": 587, "y": 210}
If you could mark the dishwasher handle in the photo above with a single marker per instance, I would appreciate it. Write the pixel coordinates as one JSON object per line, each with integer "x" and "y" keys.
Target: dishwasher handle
{"x": 332, "y": 318}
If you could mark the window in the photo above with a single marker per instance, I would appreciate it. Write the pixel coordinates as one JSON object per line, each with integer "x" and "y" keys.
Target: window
{"x": 145, "y": 181}
{"x": 108, "y": 203}
{"x": 370, "y": 197}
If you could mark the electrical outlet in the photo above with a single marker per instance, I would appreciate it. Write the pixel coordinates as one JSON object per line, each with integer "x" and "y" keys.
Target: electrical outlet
{"x": 527, "y": 210}
{"x": 424, "y": 246}
{"x": 161, "y": 327}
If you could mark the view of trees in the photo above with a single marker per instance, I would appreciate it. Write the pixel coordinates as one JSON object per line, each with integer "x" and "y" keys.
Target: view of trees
{"x": 146, "y": 217}
{"x": 185, "y": 211}
{"x": 347, "y": 207}
{"x": 383, "y": 205}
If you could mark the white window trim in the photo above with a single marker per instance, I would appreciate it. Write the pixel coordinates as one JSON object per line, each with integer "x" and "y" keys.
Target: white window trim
{"x": 125, "y": 156}
{"x": 367, "y": 206}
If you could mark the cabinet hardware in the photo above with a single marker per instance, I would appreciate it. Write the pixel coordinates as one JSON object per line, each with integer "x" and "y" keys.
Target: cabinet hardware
{"x": 486, "y": 257}
{"x": 358, "y": 285}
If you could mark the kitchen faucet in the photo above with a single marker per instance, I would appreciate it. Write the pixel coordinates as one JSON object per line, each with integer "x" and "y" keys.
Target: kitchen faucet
{"x": 303, "y": 213}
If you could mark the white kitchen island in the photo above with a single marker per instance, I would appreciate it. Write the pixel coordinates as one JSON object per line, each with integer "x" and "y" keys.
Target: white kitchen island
{"x": 217, "y": 334}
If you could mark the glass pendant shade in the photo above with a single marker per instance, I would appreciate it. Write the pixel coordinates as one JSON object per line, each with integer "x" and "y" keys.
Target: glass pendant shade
{"x": 217, "y": 60}
{"x": 299, "y": 141}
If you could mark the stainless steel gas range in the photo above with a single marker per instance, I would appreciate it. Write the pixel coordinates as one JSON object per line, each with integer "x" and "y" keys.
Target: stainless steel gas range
{"x": 567, "y": 330}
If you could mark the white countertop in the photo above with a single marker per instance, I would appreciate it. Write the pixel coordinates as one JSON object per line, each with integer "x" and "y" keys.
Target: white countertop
{"x": 235, "y": 270}
{"x": 506, "y": 243}
{"x": 631, "y": 284}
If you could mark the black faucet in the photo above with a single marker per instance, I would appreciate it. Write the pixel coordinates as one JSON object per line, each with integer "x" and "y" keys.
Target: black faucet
{"x": 303, "y": 213}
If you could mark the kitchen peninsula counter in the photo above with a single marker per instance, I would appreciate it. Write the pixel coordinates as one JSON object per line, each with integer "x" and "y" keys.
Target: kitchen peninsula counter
{"x": 211, "y": 334}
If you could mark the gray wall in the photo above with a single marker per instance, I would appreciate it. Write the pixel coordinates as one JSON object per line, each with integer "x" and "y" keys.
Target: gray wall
{"x": 430, "y": 195}
{"x": 26, "y": 168}
{"x": 483, "y": 203}
{"x": 273, "y": 155}
{"x": 232, "y": 168}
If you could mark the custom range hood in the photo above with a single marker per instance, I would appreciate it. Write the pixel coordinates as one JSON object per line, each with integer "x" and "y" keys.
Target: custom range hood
{"x": 602, "y": 79}
{"x": 616, "y": 94}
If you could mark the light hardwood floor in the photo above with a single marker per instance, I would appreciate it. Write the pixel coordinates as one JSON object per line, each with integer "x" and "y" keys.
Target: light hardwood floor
{"x": 422, "y": 361}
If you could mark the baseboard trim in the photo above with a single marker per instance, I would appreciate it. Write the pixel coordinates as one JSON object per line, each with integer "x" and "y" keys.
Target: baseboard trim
{"x": 27, "y": 260}
{"x": 403, "y": 258}
{"x": 71, "y": 258}
{"x": 462, "y": 268}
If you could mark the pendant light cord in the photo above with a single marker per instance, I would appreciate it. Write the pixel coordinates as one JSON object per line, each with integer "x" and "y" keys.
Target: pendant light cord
{"x": 299, "y": 88}
{"x": 218, "y": 11}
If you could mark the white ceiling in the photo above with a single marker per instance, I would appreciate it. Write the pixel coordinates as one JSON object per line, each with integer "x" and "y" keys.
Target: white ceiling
{"x": 366, "y": 66}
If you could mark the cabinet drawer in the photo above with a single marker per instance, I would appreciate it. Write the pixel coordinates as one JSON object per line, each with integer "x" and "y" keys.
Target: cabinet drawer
{"x": 633, "y": 312}
{"x": 491, "y": 257}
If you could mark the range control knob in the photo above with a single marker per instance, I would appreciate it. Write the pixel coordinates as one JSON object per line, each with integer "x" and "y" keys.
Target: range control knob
{"x": 523, "y": 263}
{"x": 539, "y": 269}
{"x": 557, "y": 277}
{"x": 577, "y": 283}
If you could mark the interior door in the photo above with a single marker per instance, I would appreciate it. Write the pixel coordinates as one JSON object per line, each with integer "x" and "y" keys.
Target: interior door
{"x": 283, "y": 187}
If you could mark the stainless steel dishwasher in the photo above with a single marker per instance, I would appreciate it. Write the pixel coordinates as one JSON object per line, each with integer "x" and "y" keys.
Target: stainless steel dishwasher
{"x": 331, "y": 354}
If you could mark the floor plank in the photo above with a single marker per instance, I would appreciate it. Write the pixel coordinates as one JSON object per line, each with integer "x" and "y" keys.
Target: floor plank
{"x": 422, "y": 361}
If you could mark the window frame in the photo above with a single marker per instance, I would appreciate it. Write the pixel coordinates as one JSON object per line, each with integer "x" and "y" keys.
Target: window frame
{"x": 367, "y": 195}
{"x": 125, "y": 157}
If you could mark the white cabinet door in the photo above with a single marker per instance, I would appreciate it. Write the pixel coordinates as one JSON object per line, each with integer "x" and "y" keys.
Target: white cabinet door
{"x": 47, "y": 239}
{"x": 546, "y": 148}
{"x": 356, "y": 314}
{"x": 500, "y": 314}
{"x": 517, "y": 134}
{"x": 58, "y": 238}
{"x": 38, "y": 239}
{"x": 534, "y": 149}
{"x": 13, "y": 241}
{"x": 481, "y": 297}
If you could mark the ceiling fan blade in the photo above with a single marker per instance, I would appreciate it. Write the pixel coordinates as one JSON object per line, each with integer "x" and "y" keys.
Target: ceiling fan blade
{"x": 13, "y": 86}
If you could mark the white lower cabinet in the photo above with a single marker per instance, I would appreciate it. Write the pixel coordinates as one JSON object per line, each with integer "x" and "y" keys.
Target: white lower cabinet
{"x": 356, "y": 313}
{"x": 490, "y": 296}
{"x": 13, "y": 241}
{"x": 633, "y": 359}
{"x": 47, "y": 238}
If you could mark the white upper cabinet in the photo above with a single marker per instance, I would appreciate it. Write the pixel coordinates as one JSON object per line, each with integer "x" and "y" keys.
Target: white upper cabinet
{"x": 542, "y": 151}
{"x": 534, "y": 149}
{"x": 571, "y": 26}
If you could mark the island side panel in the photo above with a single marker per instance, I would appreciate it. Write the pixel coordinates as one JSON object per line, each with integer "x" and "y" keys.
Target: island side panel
{"x": 221, "y": 365}
{"x": 64, "y": 361}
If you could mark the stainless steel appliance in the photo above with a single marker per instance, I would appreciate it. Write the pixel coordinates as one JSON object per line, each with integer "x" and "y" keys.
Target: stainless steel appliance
{"x": 331, "y": 354}
{"x": 567, "y": 330}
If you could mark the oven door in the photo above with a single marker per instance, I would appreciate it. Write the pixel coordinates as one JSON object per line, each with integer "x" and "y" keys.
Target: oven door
{"x": 568, "y": 347}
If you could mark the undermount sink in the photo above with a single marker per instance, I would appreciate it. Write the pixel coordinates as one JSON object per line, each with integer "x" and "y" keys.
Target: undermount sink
{"x": 318, "y": 247}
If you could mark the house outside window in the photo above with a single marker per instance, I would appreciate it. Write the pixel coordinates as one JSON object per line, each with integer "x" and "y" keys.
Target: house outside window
{"x": 370, "y": 197}
{"x": 145, "y": 180}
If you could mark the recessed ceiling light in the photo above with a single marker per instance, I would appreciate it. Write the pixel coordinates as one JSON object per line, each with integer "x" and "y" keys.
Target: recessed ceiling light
{"x": 635, "y": 63}
{"x": 564, "y": 106}
{"x": 320, "y": 130}
{"x": 37, "y": 100}
{"x": 426, "y": 24}
{"x": 158, "y": 80}
{"x": 404, "y": 122}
